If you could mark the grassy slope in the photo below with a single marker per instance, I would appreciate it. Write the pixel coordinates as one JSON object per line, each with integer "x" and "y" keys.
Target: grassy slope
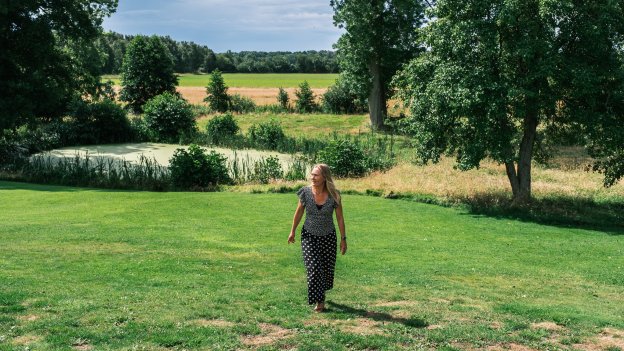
{"x": 254, "y": 80}
{"x": 117, "y": 270}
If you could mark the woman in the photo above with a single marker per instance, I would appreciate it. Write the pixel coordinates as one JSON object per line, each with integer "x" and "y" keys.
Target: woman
{"x": 318, "y": 235}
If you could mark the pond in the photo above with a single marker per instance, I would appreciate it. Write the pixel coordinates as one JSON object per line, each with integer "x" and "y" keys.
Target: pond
{"x": 162, "y": 153}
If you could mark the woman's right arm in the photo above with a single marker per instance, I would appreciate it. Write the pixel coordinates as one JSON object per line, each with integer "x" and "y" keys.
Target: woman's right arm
{"x": 296, "y": 219}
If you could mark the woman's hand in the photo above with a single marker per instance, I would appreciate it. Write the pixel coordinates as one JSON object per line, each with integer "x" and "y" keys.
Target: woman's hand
{"x": 343, "y": 246}
{"x": 291, "y": 237}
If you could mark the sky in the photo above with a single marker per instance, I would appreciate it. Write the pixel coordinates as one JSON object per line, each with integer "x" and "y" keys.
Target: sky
{"x": 237, "y": 25}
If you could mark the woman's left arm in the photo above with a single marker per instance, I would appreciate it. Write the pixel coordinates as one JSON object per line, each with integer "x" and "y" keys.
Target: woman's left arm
{"x": 341, "y": 227}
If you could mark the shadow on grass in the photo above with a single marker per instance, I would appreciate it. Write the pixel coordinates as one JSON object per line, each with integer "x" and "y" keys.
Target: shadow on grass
{"x": 562, "y": 211}
{"x": 377, "y": 316}
{"x": 20, "y": 185}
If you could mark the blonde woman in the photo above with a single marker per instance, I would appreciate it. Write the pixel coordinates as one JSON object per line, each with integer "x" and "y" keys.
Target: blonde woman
{"x": 318, "y": 235}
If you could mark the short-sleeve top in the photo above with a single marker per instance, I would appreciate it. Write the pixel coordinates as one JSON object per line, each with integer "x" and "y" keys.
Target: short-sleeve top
{"x": 319, "y": 219}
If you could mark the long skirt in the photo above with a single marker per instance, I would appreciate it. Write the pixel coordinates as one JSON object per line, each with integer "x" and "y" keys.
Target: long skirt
{"x": 319, "y": 257}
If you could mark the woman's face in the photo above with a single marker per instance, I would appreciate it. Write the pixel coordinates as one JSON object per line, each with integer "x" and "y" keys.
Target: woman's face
{"x": 317, "y": 177}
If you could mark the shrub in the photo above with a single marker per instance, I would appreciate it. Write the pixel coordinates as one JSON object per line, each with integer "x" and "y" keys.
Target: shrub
{"x": 241, "y": 104}
{"x": 345, "y": 157}
{"x": 196, "y": 169}
{"x": 169, "y": 118}
{"x": 269, "y": 135}
{"x": 305, "y": 99}
{"x": 267, "y": 169}
{"x": 217, "y": 98}
{"x": 282, "y": 98}
{"x": 98, "y": 122}
{"x": 221, "y": 128}
{"x": 339, "y": 99}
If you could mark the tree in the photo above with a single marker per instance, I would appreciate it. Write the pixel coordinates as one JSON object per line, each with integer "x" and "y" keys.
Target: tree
{"x": 169, "y": 117}
{"x": 379, "y": 38}
{"x": 147, "y": 71}
{"x": 305, "y": 98}
{"x": 282, "y": 98}
{"x": 217, "y": 98}
{"x": 498, "y": 76}
{"x": 38, "y": 60}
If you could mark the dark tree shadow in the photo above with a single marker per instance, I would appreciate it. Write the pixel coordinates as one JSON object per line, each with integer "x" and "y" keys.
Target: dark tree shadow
{"x": 377, "y": 316}
{"x": 560, "y": 211}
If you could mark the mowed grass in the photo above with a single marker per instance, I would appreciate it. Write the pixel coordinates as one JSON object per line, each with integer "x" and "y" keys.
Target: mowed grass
{"x": 113, "y": 270}
{"x": 319, "y": 126}
{"x": 253, "y": 80}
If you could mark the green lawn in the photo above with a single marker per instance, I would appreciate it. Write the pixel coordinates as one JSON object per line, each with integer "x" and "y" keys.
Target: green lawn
{"x": 114, "y": 270}
{"x": 303, "y": 125}
{"x": 254, "y": 80}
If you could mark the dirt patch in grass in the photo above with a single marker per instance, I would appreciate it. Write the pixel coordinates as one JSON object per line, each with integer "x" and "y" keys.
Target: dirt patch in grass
{"x": 403, "y": 303}
{"x": 270, "y": 335}
{"x": 550, "y": 326}
{"x": 27, "y": 339}
{"x": 28, "y": 318}
{"x": 213, "y": 323}
{"x": 509, "y": 347}
{"x": 608, "y": 338}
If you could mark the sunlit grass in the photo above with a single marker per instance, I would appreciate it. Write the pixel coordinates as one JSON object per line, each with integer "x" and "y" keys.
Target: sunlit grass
{"x": 119, "y": 270}
{"x": 253, "y": 80}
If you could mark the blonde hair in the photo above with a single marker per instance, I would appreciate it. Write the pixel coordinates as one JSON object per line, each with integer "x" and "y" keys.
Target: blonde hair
{"x": 329, "y": 182}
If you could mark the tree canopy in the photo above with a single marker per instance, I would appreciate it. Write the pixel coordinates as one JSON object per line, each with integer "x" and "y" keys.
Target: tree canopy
{"x": 499, "y": 77}
{"x": 380, "y": 37}
{"x": 47, "y": 56}
{"x": 147, "y": 71}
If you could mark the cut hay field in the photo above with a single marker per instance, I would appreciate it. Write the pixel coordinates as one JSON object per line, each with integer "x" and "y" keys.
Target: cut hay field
{"x": 86, "y": 269}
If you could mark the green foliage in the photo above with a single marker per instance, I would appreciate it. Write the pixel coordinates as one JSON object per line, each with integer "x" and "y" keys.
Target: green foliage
{"x": 241, "y": 104}
{"x": 267, "y": 135}
{"x": 47, "y": 57}
{"x": 345, "y": 158}
{"x": 217, "y": 97}
{"x": 169, "y": 118}
{"x": 98, "y": 122}
{"x": 340, "y": 99}
{"x": 147, "y": 71}
{"x": 221, "y": 128}
{"x": 498, "y": 71}
{"x": 267, "y": 169}
{"x": 305, "y": 99}
{"x": 282, "y": 98}
{"x": 379, "y": 37}
{"x": 196, "y": 169}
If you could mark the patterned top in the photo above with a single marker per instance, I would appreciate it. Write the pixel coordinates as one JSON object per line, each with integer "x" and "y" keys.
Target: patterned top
{"x": 318, "y": 221}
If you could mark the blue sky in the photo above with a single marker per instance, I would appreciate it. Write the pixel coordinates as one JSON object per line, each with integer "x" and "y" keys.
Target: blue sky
{"x": 237, "y": 25}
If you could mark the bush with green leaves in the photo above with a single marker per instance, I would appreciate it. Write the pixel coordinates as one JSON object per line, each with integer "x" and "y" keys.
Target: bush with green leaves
{"x": 222, "y": 128}
{"x": 169, "y": 118}
{"x": 282, "y": 98}
{"x": 217, "y": 96}
{"x": 98, "y": 122}
{"x": 147, "y": 71}
{"x": 241, "y": 104}
{"x": 345, "y": 157}
{"x": 267, "y": 135}
{"x": 305, "y": 99}
{"x": 194, "y": 168}
{"x": 340, "y": 99}
{"x": 267, "y": 169}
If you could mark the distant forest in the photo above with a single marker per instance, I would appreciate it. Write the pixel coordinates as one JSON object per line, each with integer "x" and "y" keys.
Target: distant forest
{"x": 189, "y": 57}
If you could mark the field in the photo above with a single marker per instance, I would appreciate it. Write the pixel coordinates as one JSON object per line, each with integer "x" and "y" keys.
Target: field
{"x": 112, "y": 270}
{"x": 253, "y": 80}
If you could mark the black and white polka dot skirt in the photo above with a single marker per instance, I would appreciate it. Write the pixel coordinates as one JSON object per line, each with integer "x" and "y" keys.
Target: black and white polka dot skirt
{"x": 319, "y": 257}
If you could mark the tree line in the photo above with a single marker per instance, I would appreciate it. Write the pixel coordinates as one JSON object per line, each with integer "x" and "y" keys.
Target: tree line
{"x": 190, "y": 57}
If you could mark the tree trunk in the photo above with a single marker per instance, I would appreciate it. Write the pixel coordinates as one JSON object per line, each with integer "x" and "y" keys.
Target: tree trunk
{"x": 376, "y": 102}
{"x": 520, "y": 177}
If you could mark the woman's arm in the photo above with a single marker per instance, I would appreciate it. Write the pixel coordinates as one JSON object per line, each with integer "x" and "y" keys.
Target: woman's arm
{"x": 296, "y": 219}
{"x": 341, "y": 228}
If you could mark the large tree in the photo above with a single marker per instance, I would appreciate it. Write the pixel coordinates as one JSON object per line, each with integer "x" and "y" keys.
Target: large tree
{"x": 379, "y": 38}
{"x": 147, "y": 71}
{"x": 44, "y": 56}
{"x": 498, "y": 75}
